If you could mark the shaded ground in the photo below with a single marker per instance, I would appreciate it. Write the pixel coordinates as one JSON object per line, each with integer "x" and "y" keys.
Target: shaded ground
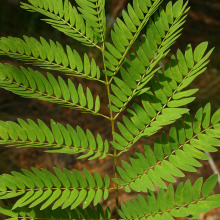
{"x": 203, "y": 24}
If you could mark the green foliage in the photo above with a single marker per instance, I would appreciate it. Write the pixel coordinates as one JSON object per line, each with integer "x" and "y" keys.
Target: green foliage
{"x": 154, "y": 46}
{"x": 66, "y": 189}
{"x": 93, "y": 11}
{"x": 161, "y": 106}
{"x": 67, "y": 19}
{"x": 66, "y": 214}
{"x": 133, "y": 67}
{"x": 49, "y": 56}
{"x": 32, "y": 84}
{"x": 56, "y": 139}
{"x": 126, "y": 32}
{"x": 178, "y": 152}
{"x": 185, "y": 201}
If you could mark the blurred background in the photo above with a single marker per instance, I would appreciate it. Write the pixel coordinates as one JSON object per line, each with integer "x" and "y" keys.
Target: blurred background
{"x": 203, "y": 24}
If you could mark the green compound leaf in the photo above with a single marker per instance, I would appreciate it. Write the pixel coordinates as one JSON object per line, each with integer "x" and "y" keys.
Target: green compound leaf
{"x": 52, "y": 56}
{"x": 171, "y": 204}
{"x": 140, "y": 68}
{"x": 66, "y": 18}
{"x": 23, "y": 82}
{"x": 125, "y": 32}
{"x": 54, "y": 189}
{"x": 163, "y": 104}
{"x": 181, "y": 151}
{"x": 57, "y": 139}
{"x": 59, "y": 213}
{"x": 40, "y": 194}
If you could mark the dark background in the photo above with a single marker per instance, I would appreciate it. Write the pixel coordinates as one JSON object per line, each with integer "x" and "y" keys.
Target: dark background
{"x": 203, "y": 24}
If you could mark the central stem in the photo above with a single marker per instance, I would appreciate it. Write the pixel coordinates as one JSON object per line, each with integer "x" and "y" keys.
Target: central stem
{"x": 115, "y": 151}
{"x": 113, "y": 130}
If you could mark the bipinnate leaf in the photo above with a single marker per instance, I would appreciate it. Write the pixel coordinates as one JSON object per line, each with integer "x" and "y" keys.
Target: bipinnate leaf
{"x": 125, "y": 33}
{"x": 94, "y": 14}
{"x": 50, "y": 55}
{"x": 180, "y": 152}
{"x": 164, "y": 99}
{"x": 57, "y": 139}
{"x": 67, "y": 19}
{"x": 140, "y": 68}
{"x": 64, "y": 189}
{"x": 171, "y": 204}
{"x": 59, "y": 213}
{"x": 162, "y": 105}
